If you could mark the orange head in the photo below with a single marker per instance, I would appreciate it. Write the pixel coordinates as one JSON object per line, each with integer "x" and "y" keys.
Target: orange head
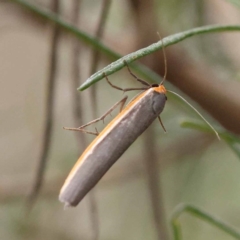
{"x": 160, "y": 88}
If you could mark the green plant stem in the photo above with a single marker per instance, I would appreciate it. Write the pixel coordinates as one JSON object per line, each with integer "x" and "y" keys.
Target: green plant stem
{"x": 195, "y": 211}
{"x": 117, "y": 65}
{"x": 54, "y": 18}
{"x": 86, "y": 38}
{"x": 167, "y": 41}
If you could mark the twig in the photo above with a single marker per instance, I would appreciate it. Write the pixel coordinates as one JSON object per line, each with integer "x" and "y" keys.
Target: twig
{"x": 94, "y": 215}
{"x": 77, "y": 99}
{"x": 96, "y": 53}
{"x": 77, "y": 112}
{"x": 48, "y": 122}
{"x": 146, "y": 22}
{"x": 154, "y": 185}
{"x": 141, "y": 69}
{"x": 95, "y": 59}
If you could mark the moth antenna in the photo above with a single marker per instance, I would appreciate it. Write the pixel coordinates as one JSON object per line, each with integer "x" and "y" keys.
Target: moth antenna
{"x": 204, "y": 119}
{"x": 165, "y": 59}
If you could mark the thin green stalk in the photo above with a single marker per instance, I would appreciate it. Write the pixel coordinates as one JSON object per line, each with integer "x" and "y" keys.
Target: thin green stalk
{"x": 84, "y": 37}
{"x": 48, "y": 121}
{"x": 201, "y": 214}
{"x": 117, "y": 65}
{"x": 167, "y": 41}
{"x": 54, "y": 18}
{"x": 96, "y": 54}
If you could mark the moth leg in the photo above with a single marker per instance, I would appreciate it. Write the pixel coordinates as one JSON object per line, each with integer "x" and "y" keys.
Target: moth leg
{"x": 123, "y": 89}
{"x": 138, "y": 79}
{"x": 164, "y": 129}
{"x": 81, "y": 128}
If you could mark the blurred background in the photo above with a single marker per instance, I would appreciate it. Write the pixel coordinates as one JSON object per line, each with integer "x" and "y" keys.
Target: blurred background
{"x": 41, "y": 65}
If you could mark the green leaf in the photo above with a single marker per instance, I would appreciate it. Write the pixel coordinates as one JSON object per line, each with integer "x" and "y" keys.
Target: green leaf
{"x": 167, "y": 41}
{"x": 199, "y": 213}
{"x": 86, "y": 38}
{"x": 117, "y": 65}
